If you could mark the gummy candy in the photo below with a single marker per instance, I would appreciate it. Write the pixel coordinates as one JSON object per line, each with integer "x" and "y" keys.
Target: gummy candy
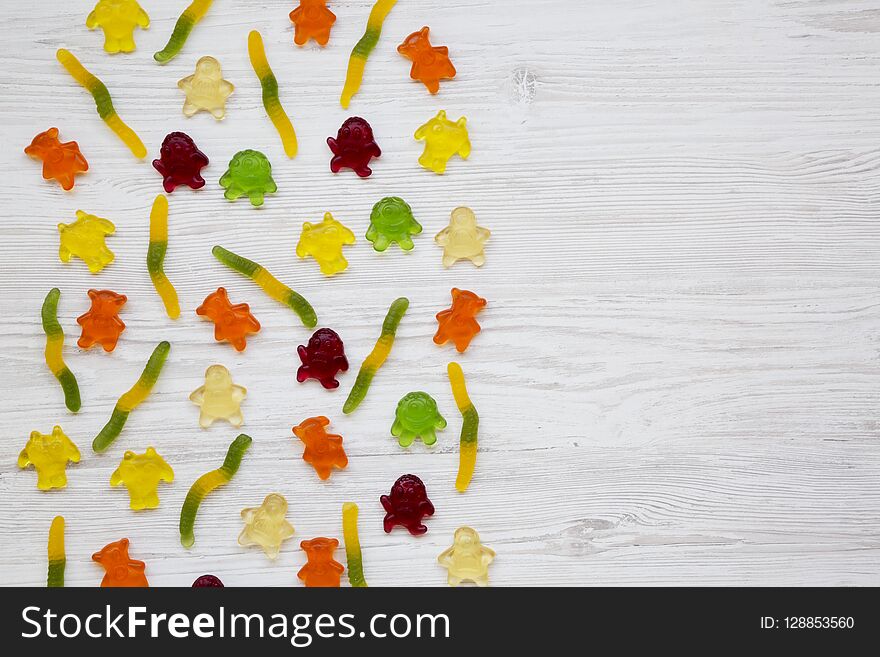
{"x": 132, "y": 398}
{"x": 207, "y": 483}
{"x": 417, "y": 415}
{"x": 323, "y": 450}
{"x": 49, "y": 453}
{"x": 207, "y": 581}
{"x": 467, "y": 559}
{"x": 103, "y": 102}
{"x": 353, "y": 147}
{"x": 122, "y": 570}
{"x": 313, "y": 21}
{"x": 266, "y": 525}
{"x": 206, "y": 89}
{"x": 321, "y": 569}
{"x": 54, "y": 347}
{"x": 462, "y": 239}
{"x": 231, "y": 322}
{"x": 458, "y": 323}
{"x": 156, "y": 256}
{"x": 250, "y": 174}
{"x": 430, "y": 63}
{"x": 443, "y": 139}
{"x": 187, "y": 21}
{"x": 141, "y": 474}
{"x": 322, "y": 358}
{"x": 353, "y": 545}
{"x": 362, "y": 49}
{"x": 118, "y": 18}
{"x": 377, "y": 356}
{"x": 219, "y": 398}
{"x": 57, "y": 559}
{"x": 101, "y": 324}
{"x": 180, "y": 162}
{"x": 391, "y": 220}
{"x": 469, "y": 425}
{"x": 324, "y": 242}
{"x": 85, "y": 239}
{"x": 407, "y": 504}
{"x": 280, "y": 120}
{"x": 270, "y": 285}
{"x": 60, "y": 161}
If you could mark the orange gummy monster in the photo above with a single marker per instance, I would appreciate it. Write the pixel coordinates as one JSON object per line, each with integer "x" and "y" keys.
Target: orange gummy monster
{"x": 60, "y": 161}
{"x": 430, "y": 63}
{"x": 121, "y": 570}
{"x": 101, "y": 324}
{"x": 313, "y": 21}
{"x": 231, "y": 322}
{"x": 320, "y": 569}
{"x": 323, "y": 450}
{"x": 458, "y": 323}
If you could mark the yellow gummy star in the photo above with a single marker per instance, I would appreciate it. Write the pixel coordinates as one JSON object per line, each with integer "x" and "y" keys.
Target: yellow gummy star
{"x": 266, "y": 525}
{"x": 467, "y": 559}
{"x": 49, "y": 454}
{"x": 206, "y": 89}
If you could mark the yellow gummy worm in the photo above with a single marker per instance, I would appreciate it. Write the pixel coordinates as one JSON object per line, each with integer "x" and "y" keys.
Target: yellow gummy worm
{"x": 57, "y": 559}
{"x": 280, "y": 120}
{"x": 156, "y": 256}
{"x": 353, "y": 545}
{"x": 362, "y": 49}
{"x": 470, "y": 424}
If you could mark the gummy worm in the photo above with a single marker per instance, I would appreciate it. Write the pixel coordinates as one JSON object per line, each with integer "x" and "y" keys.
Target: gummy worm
{"x": 102, "y": 101}
{"x": 353, "y": 545}
{"x": 207, "y": 483}
{"x": 54, "y": 346}
{"x": 280, "y": 120}
{"x": 57, "y": 559}
{"x": 271, "y": 285}
{"x": 131, "y": 399}
{"x": 470, "y": 424}
{"x": 362, "y": 49}
{"x": 156, "y": 256}
{"x": 191, "y": 15}
{"x": 377, "y": 357}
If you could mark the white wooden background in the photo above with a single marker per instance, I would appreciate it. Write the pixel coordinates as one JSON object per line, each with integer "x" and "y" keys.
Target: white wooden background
{"x": 677, "y": 375}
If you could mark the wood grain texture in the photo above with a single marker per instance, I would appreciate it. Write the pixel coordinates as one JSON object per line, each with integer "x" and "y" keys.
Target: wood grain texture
{"x": 677, "y": 377}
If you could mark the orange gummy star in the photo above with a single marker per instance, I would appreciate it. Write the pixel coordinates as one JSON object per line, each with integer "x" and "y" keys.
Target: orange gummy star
{"x": 101, "y": 324}
{"x": 320, "y": 569}
{"x": 60, "y": 161}
{"x": 313, "y": 21}
{"x": 231, "y": 322}
{"x": 121, "y": 569}
{"x": 430, "y": 63}
{"x": 457, "y": 323}
{"x": 323, "y": 450}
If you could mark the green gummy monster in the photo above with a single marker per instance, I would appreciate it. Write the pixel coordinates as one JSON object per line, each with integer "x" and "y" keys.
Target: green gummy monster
{"x": 249, "y": 174}
{"x": 417, "y": 415}
{"x": 392, "y": 221}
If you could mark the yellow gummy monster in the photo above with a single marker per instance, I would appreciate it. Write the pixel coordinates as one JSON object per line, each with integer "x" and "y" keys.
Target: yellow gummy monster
{"x": 467, "y": 559}
{"x": 118, "y": 18}
{"x": 49, "y": 454}
{"x": 266, "y": 525}
{"x": 219, "y": 398}
{"x": 206, "y": 89}
{"x": 324, "y": 242}
{"x": 141, "y": 474}
{"x": 84, "y": 238}
{"x": 462, "y": 239}
{"x": 443, "y": 139}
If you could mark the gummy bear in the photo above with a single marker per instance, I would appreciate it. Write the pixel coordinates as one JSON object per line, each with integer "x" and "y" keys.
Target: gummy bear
{"x": 322, "y": 358}
{"x": 430, "y": 63}
{"x": 321, "y": 569}
{"x": 323, "y": 450}
{"x": 206, "y": 89}
{"x": 231, "y": 322}
{"x": 101, "y": 324}
{"x": 118, "y": 18}
{"x": 324, "y": 242}
{"x": 353, "y": 147}
{"x": 266, "y": 525}
{"x": 49, "y": 454}
{"x": 60, "y": 161}
{"x": 392, "y": 221}
{"x": 219, "y": 398}
{"x": 85, "y": 239}
{"x": 458, "y": 323}
{"x": 141, "y": 474}
{"x": 122, "y": 570}
{"x": 250, "y": 174}
{"x": 443, "y": 139}
{"x": 180, "y": 162}
{"x": 462, "y": 239}
{"x": 417, "y": 415}
{"x": 207, "y": 581}
{"x": 407, "y": 504}
{"x": 312, "y": 20}
{"x": 467, "y": 559}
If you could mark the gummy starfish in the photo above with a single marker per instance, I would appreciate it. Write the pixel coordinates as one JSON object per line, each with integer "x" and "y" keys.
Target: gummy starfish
{"x": 60, "y": 161}
{"x": 266, "y": 525}
{"x": 231, "y": 322}
{"x": 206, "y": 89}
{"x": 101, "y": 324}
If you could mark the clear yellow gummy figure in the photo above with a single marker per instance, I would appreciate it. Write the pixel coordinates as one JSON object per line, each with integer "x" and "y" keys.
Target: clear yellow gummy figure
{"x": 462, "y": 239}
{"x": 443, "y": 139}
{"x": 49, "y": 454}
{"x": 206, "y": 89}
{"x": 118, "y": 18}
{"x": 84, "y": 238}
{"x": 141, "y": 474}
{"x": 266, "y": 525}
{"x": 467, "y": 559}
{"x": 324, "y": 242}
{"x": 219, "y": 398}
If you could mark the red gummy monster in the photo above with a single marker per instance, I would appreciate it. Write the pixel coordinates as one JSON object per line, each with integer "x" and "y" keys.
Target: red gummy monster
{"x": 207, "y": 581}
{"x": 406, "y": 505}
{"x": 322, "y": 358}
{"x": 180, "y": 162}
{"x": 353, "y": 147}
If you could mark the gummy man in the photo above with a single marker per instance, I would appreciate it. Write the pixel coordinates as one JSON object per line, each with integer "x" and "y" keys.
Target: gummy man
{"x": 407, "y": 504}
{"x": 206, "y": 89}
{"x": 141, "y": 474}
{"x": 101, "y": 324}
{"x": 118, "y": 18}
{"x": 417, "y": 415}
{"x": 49, "y": 454}
{"x": 462, "y": 239}
{"x": 443, "y": 139}
{"x": 323, "y": 450}
{"x": 392, "y": 221}
{"x": 122, "y": 570}
{"x": 180, "y": 162}
{"x": 430, "y": 63}
{"x": 249, "y": 174}
{"x": 353, "y": 147}
{"x": 458, "y": 323}
{"x": 266, "y": 525}
{"x": 324, "y": 242}
{"x": 231, "y": 322}
{"x": 219, "y": 398}
{"x": 467, "y": 559}
{"x": 322, "y": 358}
{"x": 60, "y": 161}
{"x": 313, "y": 21}
{"x": 84, "y": 238}
{"x": 320, "y": 569}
